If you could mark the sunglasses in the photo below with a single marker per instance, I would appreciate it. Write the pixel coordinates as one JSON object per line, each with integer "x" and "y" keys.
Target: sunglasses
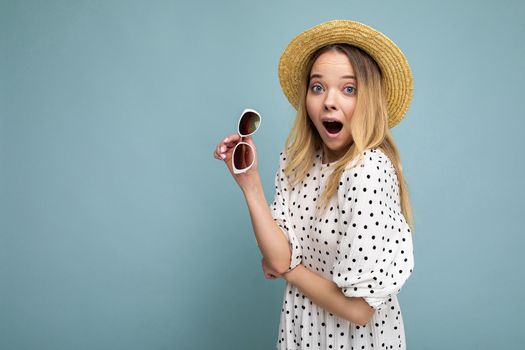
{"x": 243, "y": 155}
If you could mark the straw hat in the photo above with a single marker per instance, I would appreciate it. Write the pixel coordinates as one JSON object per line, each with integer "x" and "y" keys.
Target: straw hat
{"x": 396, "y": 74}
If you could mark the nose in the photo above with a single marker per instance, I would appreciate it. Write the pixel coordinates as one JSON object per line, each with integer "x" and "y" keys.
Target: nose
{"x": 330, "y": 101}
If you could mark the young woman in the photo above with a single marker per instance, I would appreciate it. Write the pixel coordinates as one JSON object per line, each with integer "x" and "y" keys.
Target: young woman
{"x": 339, "y": 230}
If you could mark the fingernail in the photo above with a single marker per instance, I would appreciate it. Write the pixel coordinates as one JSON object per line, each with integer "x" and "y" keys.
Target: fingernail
{"x": 225, "y": 140}
{"x": 223, "y": 156}
{"x": 223, "y": 149}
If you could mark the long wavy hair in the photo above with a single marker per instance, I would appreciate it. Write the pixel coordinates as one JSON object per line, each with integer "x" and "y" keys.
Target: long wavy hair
{"x": 369, "y": 125}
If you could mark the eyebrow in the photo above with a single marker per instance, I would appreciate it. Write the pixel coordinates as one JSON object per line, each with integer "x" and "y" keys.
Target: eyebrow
{"x": 343, "y": 77}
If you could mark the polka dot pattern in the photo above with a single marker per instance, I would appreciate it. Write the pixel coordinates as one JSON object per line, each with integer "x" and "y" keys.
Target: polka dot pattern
{"x": 362, "y": 243}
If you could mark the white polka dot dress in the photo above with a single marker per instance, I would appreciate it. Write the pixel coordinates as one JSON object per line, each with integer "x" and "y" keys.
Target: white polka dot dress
{"x": 362, "y": 243}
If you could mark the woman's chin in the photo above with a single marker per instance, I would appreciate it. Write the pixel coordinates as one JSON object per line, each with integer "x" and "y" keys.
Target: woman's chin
{"x": 336, "y": 142}
{"x": 337, "y": 145}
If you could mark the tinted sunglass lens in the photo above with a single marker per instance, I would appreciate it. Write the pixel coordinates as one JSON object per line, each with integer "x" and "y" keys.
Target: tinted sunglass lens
{"x": 249, "y": 123}
{"x": 243, "y": 156}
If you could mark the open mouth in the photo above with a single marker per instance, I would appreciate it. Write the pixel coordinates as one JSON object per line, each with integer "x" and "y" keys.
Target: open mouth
{"x": 333, "y": 127}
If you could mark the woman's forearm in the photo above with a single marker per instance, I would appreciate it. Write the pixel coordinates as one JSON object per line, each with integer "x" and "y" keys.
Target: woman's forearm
{"x": 329, "y": 296}
{"x": 272, "y": 242}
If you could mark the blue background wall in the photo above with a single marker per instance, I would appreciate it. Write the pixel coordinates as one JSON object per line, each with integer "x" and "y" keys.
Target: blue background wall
{"x": 119, "y": 230}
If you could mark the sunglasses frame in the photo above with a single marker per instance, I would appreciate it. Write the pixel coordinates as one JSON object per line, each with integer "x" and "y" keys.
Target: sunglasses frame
{"x": 247, "y": 110}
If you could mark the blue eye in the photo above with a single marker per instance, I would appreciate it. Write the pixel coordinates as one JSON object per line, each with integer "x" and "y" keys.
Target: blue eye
{"x": 350, "y": 87}
{"x": 313, "y": 88}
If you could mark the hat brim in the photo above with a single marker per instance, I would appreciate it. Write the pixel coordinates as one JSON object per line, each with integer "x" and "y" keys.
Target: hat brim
{"x": 396, "y": 74}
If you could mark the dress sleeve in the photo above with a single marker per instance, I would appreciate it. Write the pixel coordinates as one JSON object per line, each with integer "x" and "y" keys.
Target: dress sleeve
{"x": 374, "y": 257}
{"x": 281, "y": 212}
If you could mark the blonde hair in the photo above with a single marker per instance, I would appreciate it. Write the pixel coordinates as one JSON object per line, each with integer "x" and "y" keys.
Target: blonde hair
{"x": 369, "y": 125}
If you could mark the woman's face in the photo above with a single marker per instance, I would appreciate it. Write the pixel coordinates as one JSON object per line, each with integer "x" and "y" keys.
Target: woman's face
{"x": 330, "y": 102}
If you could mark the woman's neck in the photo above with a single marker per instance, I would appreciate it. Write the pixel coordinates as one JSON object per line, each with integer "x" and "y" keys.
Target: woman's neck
{"x": 328, "y": 156}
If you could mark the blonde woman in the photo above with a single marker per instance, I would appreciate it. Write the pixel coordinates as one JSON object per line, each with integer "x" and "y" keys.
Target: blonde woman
{"x": 339, "y": 229}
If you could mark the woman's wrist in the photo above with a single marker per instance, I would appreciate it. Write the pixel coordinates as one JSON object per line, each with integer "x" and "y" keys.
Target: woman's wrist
{"x": 252, "y": 187}
{"x": 289, "y": 275}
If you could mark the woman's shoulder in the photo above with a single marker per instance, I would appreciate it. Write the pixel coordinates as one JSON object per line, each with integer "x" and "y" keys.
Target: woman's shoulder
{"x": 379, "y": 158}
{"x": 283, "y": 158}
{"x": 371, "y": 168}
{"x": 283, "y": 153}
{"x": 371, "y": 160}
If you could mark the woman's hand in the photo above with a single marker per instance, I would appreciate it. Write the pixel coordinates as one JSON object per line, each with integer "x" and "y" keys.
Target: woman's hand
{"x": 269, "y": 273}
{"x": 224, "y": 151}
